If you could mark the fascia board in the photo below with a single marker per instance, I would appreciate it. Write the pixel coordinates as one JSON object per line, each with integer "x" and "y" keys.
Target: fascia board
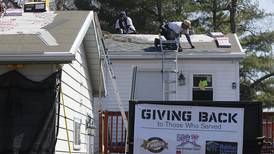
{"x": 238, "y": 43}
{"x": 180, "y": 56}
{"x": 60, "y": 58}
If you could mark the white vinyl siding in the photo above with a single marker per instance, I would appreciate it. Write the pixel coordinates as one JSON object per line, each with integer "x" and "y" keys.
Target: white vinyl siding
{"x": 78, "y": 99}
{"x": 123, "y": 72}
{"x": 223, "y": 74}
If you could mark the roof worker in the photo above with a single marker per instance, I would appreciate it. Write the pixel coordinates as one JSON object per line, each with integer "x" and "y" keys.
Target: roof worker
{"x": 124, "y": 24}
{"x": 2, "y": 8}
{"x": 173, "y": 30}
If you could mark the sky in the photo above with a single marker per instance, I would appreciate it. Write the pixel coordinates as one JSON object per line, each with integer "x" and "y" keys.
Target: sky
{"x": 267, "y": 23}
{"x": 268, "y": 5}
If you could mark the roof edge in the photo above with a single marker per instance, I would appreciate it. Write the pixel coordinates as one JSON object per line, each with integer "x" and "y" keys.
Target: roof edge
{"x": 238, "y": 42}
{"x": 57, "y": 58}
{"x": 236, "y": 56}
{"x": 77, "y": 42}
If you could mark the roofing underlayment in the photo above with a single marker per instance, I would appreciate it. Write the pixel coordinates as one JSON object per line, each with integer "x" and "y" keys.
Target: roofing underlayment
{"x": 29, "y": 24}
{"x": 37, "y": 33}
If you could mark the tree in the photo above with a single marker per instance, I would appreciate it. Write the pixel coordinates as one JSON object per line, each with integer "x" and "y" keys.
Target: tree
{"x": 233, "y": 9}
{"x": 257, "y": 72}
{"x": 77, "y": 5}
{"x": 87, "y": 4}
{"x": 147, "y": 15}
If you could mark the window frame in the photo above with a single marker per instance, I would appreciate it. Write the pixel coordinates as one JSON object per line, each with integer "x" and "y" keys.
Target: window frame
{"x": 196, "y": 88}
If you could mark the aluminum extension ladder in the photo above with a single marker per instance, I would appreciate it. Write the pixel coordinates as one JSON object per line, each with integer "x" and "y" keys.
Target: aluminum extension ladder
{"x": 104, "y": 57}
{"x": 169, "y": 52}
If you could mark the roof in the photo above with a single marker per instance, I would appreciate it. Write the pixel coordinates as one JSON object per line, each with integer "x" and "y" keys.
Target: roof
{"x": 21, "y": 36}
{"x": 122, "y": 46}
{"x": 51, "y": 37}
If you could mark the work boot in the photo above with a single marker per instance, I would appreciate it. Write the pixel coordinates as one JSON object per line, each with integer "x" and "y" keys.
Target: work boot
{"x": 156, "y": 42}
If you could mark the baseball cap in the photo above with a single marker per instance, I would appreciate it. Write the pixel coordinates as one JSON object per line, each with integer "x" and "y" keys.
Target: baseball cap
{"x": 187, "y": 23}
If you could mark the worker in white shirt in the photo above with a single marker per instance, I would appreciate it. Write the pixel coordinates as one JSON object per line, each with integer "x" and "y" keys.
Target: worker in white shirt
{"x": 124, "y": 24}
{"x": 173, "y": 30}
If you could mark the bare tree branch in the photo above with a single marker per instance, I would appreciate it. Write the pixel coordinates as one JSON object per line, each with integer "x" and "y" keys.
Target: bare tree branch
{"x": 254, "y": 84}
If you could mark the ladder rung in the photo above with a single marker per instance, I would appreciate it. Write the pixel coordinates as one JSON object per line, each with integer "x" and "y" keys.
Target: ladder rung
{"x": 170, "y": 61}
{"x": 170, "y": 56}
{"x": 171, "y": 92}
{"x": 170, "y": 66}
{"x": 170, "y": 51}
{"x": 170, "y": 81}
{"x": 170, "y": 71}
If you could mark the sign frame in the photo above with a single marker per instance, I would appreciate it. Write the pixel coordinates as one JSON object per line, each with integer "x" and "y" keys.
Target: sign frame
{"x": 252, "y": 116}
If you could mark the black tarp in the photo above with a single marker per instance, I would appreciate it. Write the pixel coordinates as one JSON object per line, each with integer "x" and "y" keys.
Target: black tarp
{"x": 27, "y": 114}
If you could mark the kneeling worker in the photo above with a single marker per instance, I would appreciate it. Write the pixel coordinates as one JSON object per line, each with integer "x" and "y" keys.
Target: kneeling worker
{"x": 173, "y": 30}
{"x": 124, "y": 24}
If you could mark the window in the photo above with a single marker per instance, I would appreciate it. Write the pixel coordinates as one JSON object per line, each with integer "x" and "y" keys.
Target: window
{"x": 76, "y": 133}
{"x": 202, "y": 87}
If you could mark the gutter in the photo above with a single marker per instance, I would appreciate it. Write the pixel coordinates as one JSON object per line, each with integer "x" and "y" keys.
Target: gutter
{"x": 47, "y": 57}
{"x": 158, "y": 55}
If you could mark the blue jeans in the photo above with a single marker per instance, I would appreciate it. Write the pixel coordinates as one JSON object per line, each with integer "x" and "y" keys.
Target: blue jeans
{"x": 170, "y": 35}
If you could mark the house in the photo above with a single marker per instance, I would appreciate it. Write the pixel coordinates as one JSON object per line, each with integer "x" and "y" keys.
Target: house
{"x": 137, "y": 65}
{"x": 49, "y": 64}
{"x": 219, "y": 65}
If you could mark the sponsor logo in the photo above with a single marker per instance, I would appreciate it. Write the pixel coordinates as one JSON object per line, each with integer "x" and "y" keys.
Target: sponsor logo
{"x": 188, "y": 144}
{"x": 218, "y": 147}
{"x": 155, "y": 145}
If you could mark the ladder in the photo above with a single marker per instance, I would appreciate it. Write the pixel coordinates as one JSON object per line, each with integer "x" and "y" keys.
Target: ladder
{"x": 105, "y": 57}
{"x": 106, "y": 60}
{"x": 169, "y": 71}
{"x": 108, "y": 64}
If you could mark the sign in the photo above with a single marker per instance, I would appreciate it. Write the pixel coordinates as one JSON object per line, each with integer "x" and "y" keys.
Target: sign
{"x": 179, "y": 129}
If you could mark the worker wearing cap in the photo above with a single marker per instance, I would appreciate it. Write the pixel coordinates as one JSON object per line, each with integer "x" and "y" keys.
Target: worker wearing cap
{"x": 173, "y": 30}
{"x": 124, "y": 24}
